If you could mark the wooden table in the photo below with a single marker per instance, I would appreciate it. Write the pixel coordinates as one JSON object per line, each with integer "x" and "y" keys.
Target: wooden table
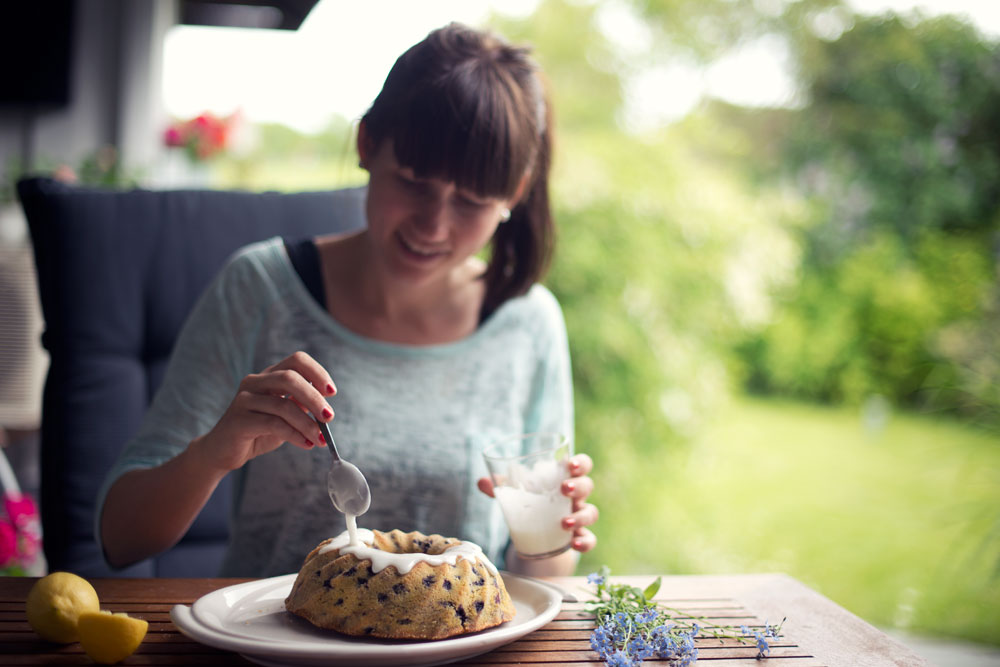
{"x": 817, "y": 632}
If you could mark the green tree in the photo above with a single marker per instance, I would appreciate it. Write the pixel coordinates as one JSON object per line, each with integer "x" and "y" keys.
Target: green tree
{"x": 664, "y": 251}
{"x": 898, "y": 149}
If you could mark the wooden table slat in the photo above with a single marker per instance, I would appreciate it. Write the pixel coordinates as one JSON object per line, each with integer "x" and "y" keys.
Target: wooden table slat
{"x": 817, "y": 634}
{"x": 737, "y": 662}
{"x": 714, "y": 648}
{"x": 533, "y": 657}
{"x": 137, "y": 659}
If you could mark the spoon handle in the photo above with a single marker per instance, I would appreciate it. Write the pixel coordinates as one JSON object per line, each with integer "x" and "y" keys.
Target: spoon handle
{"x": 325, "y": 430}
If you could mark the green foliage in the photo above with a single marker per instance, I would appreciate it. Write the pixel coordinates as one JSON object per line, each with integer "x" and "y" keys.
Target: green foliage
{"x": 664, "y": 257}
{"x": 897, "y": 151}
{"x": 284, "y": 159}
{"x": 893, "y": 516}
{"x": 578, "y": 63}
{"x": 706, "y": 29}
{"x": 871, "y": 324}
{"x": 908, "y": 114}
{"x": 100, "y": 168}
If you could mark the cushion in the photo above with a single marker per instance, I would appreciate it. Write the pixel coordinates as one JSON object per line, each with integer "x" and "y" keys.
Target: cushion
{"x": 118, "y": 272}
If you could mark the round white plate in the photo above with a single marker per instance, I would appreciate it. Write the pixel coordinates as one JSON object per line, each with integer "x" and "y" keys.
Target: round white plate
{"x": 250, "y": 619}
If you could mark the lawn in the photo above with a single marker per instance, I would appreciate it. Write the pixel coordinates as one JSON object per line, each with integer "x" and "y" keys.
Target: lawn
{"x": 899, "y": 523}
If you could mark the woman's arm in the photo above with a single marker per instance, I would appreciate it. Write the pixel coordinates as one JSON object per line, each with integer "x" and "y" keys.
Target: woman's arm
{"x": 551, "y": 409}
{"x": 147, "y": 511}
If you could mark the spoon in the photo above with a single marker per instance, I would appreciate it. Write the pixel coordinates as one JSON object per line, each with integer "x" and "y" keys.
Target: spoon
{"x": 347, "y": 487}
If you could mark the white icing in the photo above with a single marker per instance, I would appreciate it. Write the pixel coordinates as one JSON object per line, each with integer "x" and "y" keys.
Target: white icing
{"x": 352, "y": 529}
{"x": 403, "y": 562}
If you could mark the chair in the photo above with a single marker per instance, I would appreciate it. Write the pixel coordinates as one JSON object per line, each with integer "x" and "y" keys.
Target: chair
{"x": 118, "y": 272}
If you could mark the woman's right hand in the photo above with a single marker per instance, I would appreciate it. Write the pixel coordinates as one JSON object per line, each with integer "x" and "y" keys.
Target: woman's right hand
{"x": 271, "y": 407}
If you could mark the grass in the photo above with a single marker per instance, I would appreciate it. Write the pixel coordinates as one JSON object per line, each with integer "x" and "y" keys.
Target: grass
{"x": 899, "y": 524}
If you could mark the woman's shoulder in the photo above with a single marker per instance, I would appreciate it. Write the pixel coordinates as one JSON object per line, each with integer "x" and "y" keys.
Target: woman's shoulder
{"x": 537, "y": 311}
{"x": 261, "y": 258}
{"x": 538, "y": 300}
{"x": 259, "y": 268}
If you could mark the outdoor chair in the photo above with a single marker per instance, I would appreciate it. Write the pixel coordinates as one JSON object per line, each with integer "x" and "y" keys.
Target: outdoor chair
{"x": 118, "y": 272}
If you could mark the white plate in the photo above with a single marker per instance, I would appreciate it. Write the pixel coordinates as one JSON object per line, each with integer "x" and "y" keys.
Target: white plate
{"x": 250, "y": 619}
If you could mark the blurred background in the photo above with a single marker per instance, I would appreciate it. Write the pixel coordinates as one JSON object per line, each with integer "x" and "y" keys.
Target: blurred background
{"x": 778, "y": 255}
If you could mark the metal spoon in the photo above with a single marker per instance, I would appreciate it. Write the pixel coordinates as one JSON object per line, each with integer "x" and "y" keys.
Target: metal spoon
{"x": 347, "y": 487}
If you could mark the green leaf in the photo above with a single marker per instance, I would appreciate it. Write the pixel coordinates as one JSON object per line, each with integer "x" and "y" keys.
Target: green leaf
{"x": 652, "y": 589}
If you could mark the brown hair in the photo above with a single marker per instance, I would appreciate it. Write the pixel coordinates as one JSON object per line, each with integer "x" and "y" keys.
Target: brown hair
{"x": 465, "y": 106}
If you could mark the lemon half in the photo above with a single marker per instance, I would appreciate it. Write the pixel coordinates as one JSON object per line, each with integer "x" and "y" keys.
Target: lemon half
{"x": 109, "y": 638}
{"x": 55, "y": 604}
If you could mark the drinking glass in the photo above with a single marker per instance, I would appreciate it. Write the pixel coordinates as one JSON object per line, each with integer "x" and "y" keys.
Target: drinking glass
{"x": 527, "y": 473}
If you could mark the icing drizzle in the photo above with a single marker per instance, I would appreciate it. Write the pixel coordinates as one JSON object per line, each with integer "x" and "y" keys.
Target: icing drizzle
{"x": 352, "y": 529}
{"x": 363, "y": 550}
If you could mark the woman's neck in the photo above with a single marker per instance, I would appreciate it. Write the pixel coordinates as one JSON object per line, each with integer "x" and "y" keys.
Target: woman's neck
{"x": 370, "y": 303}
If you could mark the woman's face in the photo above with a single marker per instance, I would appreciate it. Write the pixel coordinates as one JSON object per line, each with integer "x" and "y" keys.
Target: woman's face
{"x": 423, "y": 228}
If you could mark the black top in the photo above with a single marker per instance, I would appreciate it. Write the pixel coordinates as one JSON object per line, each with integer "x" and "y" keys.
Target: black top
{"x": 305, "y": 260}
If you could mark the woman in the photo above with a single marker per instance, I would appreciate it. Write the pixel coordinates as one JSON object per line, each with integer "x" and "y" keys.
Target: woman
{"x": 435, "y": 353}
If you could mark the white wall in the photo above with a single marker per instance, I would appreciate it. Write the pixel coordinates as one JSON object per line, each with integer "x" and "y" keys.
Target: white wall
{"x": 114, "y": 100}
{"x": 114, "y": 95}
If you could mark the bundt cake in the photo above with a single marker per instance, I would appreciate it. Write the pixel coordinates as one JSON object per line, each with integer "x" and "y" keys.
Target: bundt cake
{"x": 399, "y": 586}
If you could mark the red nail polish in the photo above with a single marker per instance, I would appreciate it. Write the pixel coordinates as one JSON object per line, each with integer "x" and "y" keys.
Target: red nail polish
{"x": 309, "y": 442}
{"x": 570, "y": 487}
{"x": 321, "y": 438}
{"x": 326, "y": 413}
{"x": 569, "y": 523}
{"x": 330, "y": 389}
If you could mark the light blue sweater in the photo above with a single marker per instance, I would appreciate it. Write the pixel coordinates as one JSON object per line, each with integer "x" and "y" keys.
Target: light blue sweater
{"x": 414, "y": 419}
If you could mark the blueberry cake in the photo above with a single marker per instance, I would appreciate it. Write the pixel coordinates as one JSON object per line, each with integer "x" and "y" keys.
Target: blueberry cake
{"x": 399, "y": 586}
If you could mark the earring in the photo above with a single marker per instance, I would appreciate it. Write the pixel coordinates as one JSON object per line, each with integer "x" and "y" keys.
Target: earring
{"x": 505, "y": 215}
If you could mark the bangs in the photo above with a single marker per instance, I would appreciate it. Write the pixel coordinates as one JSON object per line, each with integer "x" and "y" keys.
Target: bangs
{"x": 466, "y": 107}
{"x": 469, "y": 127}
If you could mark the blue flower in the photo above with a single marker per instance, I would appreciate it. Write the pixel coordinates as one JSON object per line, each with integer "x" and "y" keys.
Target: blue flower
{"x": 640, "y": 648}
{"x": 689, "y": 659}
{"x": 762, "y": 647}
{"x": 617, "y": 630}
{"x": 648, "y": 616}
{"x": 665, "y": 645}
{"x": 594, "y": 578}
{"x": 694, "y": 630}
{"x": 600, "y": 642}
{"x": 619, "y": 659}
{"x": 745, "y": 631}
{"x": 677, "y": 648}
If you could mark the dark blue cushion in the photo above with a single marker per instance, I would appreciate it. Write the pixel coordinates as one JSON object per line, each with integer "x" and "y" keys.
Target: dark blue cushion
{"x": 118, "y": 272}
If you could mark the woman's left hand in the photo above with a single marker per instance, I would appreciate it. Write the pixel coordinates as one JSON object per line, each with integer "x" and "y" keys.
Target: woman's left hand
{"x": 579, "y": 486}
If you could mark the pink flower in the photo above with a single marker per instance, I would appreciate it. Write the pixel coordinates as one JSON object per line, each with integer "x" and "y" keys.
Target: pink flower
{"x": 8, "y": 543}
{"x": 202, "y": 136}
{"x": 173, "y": 137}
{"x": 20, "y": 508}
{"x": 30, "y": 543}
{"x": 65, "y": 173}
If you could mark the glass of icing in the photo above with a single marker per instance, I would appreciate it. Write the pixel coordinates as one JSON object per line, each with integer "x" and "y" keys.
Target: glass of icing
{"x": 527, "y": 473}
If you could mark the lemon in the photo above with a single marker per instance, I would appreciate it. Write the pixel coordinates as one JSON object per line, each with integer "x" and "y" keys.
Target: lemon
{"x": 55, "y": 603}
{"x": 109, "y": 638}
